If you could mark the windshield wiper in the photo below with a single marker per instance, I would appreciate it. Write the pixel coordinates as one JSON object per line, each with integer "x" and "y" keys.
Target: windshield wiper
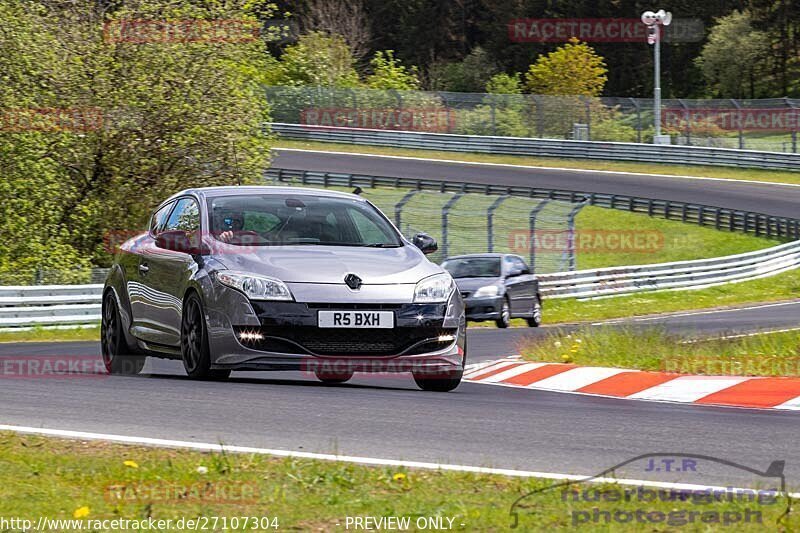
{"x": 380, "y": 245}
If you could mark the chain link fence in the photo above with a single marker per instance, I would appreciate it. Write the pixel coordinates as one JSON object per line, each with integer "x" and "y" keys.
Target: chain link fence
{"x": 763, "y": 124}
{"x": 467, "y": 223}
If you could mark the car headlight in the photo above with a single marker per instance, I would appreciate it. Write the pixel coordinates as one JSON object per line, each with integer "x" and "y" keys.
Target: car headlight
{"x": 488, "y": 290}
{"x": 435, "y": 289}
{"x": 254, "y": 286}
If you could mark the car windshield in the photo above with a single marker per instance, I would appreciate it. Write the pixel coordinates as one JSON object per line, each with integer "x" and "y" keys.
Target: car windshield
{"x": 281, "y": 220}
{"x": 474, "y": 267}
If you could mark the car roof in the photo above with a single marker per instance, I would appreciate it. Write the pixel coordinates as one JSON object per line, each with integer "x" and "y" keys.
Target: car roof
{"x": 232, "y": 190}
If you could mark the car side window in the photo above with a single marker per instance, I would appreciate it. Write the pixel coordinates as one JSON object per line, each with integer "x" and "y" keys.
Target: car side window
{"x": 160, "y": 218}
{"x": 519, "y": 263}
{"x": 185, "y": 216}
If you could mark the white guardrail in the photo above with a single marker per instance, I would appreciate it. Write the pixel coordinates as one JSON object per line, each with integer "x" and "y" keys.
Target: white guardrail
{"x": 70, "y": 305}
{"x": 615, "y": 151}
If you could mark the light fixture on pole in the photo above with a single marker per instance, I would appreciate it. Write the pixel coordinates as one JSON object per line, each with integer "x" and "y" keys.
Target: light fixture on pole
{"x": 654, "y": 21}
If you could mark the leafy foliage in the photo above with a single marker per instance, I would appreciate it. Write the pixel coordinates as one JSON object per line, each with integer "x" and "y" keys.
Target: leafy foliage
{"x": 170, "y": 114}
{"x": 573, "y": 69}
{"x": 388, "y": 73}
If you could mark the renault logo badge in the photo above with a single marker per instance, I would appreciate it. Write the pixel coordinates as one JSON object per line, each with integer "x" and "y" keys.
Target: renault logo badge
{"x": 353, "y": 281}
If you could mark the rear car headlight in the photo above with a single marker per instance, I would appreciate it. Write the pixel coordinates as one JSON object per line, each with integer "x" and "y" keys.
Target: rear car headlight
{"x": 435, "y": 289}
{"x": 488, "y": 290}
{"x": 254, "y": 286}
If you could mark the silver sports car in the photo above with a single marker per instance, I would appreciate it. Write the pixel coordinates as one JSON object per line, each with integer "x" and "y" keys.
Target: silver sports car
{"x": 281, "y": 278}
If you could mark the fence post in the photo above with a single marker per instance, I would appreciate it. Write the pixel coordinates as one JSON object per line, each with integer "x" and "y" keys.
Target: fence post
{"x": 490, "y": 221}
{"x": 638, "y": 120}
{"x": 445, "y": 212}
{"x": 739, "y": 122}
{"x": 532, "y": 229}
{"x": 398, "y": 208}
{"x": 570, "y": 251}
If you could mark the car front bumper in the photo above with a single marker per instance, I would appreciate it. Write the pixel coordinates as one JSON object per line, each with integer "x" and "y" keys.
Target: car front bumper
{"x": 480, "y": 309}
{"x": 246, "y": 335}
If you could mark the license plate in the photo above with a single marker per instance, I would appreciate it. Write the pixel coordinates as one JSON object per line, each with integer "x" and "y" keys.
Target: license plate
{"x": 356, "y": 319}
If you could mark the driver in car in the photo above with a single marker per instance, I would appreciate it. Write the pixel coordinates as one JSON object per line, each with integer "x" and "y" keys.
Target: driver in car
{"x": 228, "y": 226}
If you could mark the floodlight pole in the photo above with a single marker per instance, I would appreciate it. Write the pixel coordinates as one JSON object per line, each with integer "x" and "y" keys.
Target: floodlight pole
{"x": 657, "y": 87}
{"x": 654, "y": 21}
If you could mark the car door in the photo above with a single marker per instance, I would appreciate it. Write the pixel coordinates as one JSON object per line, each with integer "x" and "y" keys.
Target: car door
{"x": 515, "y": 287}
{"x": 166, "y": 274}
{"x": 526, "y": 281}
{"x": 135, "y": 271}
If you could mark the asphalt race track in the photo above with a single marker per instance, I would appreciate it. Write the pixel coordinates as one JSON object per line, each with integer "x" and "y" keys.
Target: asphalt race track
{"x": 772, "y": 199}
{"x": 480, "y": 425}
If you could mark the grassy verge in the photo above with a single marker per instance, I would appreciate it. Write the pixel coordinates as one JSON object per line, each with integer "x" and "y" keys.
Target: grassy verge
{"x": 52, "y": 335}
{"x": 93, "y": 481}
{"x": 769, "y": 354}
{"x": 775, "y": 176}
{"x": 672, "y": 240}
{"x": 775, "y": 288}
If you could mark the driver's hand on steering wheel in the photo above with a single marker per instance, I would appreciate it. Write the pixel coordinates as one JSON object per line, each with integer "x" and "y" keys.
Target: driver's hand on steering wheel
{"x": 226, "y": 236}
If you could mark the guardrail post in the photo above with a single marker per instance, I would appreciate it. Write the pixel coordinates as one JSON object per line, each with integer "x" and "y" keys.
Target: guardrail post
{"x": 445, "y": 213}
{"x": 398, "y": 208}
{"x": 490, "y": 221}
{"x": 532, "y": 230}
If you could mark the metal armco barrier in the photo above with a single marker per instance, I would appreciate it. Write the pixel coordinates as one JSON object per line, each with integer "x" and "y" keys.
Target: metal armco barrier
{"x": 705, "y": 215}
{"x": 614, "y": 151}
{"x": 50, "y": 305}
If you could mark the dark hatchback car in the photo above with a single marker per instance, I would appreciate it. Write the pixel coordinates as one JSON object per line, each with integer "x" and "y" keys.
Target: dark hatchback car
{"x": 281, "y": 278}
{"x": 496, "y": 287}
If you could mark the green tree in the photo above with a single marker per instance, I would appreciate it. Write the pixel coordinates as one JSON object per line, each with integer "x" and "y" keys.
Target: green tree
{"x": 154, "y": 117}
{"x": 733, "y": 61}
{"x": 317, "y": 59}
{"x": 572, "y": 69}
{"x": 469, "y": 75}
{"x": 504, "y": 84}
{"x": 388, "y": 73}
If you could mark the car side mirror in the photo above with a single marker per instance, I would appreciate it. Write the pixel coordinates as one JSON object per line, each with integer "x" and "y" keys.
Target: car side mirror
{"x": 425, "y": 242}
{"x": 514, "y": 272}
{"x": 177, "y": 241}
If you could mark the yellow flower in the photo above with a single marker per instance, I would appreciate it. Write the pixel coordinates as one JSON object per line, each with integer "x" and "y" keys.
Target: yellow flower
{"x": 399, "y": 476}
{"x": 566, "y": 358}
{"x": 131, "y": 464}
{"x": 81, "y": 512}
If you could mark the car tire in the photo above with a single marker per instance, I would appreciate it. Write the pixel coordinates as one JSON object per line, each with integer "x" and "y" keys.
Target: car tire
{"x": 195, "y": 353}
{"x": 505, "y": 314}
{"x": 536, "y": 319}
{"x": 334, "y": 378}
{"x": 441, "y": 382}
{"x": 118, "y": 357}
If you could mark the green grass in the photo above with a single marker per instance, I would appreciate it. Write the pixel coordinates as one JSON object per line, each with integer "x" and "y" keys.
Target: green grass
{"x": 783, "y": 286}
{"x": 91, "y": 333}
{"x": 61, "y": 479}
{"x": 775, "y": 176}
{"x": 671, "y": 240}
{"x": 769, "y": 354}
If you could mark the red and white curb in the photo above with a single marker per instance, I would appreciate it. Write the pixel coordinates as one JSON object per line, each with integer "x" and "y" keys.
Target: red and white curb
{"x": 730, "y": 391}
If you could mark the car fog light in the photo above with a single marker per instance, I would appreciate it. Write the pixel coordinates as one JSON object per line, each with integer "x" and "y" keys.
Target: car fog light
{"x": 250, "y": 336}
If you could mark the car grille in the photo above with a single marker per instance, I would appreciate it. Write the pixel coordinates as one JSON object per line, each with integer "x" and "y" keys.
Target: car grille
{"x": 350, "y": 342}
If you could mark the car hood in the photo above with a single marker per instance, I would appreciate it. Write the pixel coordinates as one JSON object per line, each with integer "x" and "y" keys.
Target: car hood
{"x": 330, "y": 264}
{"x": 473, "y": 284}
